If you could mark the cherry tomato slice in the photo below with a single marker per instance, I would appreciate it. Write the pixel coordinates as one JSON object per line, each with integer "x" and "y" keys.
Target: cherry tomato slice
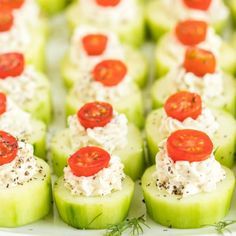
{"x": 8, "y": 148}
{"x": 191, "y": 32}
{"x": 95, "y": 44}
{"x": 199, "y": 61}
{"x": 189, "y": 145}
{"x": 6, "y": 20}
{"x": 182, "y": 105}
{"x": 95, "y": 114}
{"x": 11, "y": 64}
{"x": 198, "y": 4}
{"x": 88, "y": 161}
{"x": 11, "y": 4}
{"x": 110, "y": 72}
{"x": 108, "y": 3}
{"x": 3, "y": 103}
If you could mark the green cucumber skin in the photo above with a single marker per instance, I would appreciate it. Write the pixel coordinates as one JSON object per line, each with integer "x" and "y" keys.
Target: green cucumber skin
{"x": 25, "y": 204}
{"x": 136, "y": 63}
{"x": 232, "y": 6}
{"x": 163, "y": 88}
{"x": 133, "y": 34}
{"x": 52, "y": 7}
{"x": 224, "y": 140}
{"x": 189, "y": 212}
{"x": 93, "y": 212}
{"x": 132, "y": 107}
{"x": 158, "y": 28}
{"x": 132, "y": 155}
{"x": 163, "y": 66}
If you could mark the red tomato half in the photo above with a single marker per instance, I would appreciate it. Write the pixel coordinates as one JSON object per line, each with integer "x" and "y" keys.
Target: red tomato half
{"x": 95, "y": 44}
{"x": 182, "y": 105}
{"x": 8, "y": 148}
{"x": 11, "y": 64}
{"x": 108, "y": 3}
{"x": 11, "y": 4}
{"x": 191, "y": 32}
{"x": 95, "y": 114}
{"x": 88, "y": 161}
{"x": 110, "y": 72}
{"x": 6, "y": 20}
{"x": 3, "y": 103}
{"x": 189, "y": 145}
{"x": 199, "y": 61}
{"x": 198, "y": 4}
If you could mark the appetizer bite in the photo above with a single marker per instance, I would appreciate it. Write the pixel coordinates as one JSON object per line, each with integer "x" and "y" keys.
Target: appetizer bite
{"x": 90, "y": 45}
{"x": 23, "y": 29}
{"x": 25, "y": 186}
{"x": 94, "y": 191}
{"x": 29, "y": 89}
{"x": 21, "y": 125}
{"x": 124, "y": 17}
{"x": 187, "y": 188}
{"x": 170, "y": 50}
{"x": 108, "y": 82}
{"x": 198, "y": 74}
{"x": 98, "y": 124}
{"x": 185, "y": 110}
{"x": 162, "y": 15}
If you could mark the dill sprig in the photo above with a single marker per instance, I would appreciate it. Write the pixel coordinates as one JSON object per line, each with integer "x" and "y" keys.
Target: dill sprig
{"x": 135, "y": 225}
{"x": 221, "y": 226}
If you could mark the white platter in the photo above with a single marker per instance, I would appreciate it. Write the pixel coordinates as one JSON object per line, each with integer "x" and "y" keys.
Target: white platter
{"x": 52, "y": 225}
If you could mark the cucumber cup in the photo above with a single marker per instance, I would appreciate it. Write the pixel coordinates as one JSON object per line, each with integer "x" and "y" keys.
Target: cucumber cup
{"x": 162, "y": 17}
{"x": 27, "y": 203}
{"x": 131, "y": 32}
{"x": 52, "y": 7}
{"x": 131, "y": 156}
{"x": 224, "y": 139}
{"x": 194, "y": 211}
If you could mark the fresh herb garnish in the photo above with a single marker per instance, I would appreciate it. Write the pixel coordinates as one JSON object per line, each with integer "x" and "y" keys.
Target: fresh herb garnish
{"x": 135, "y": 225}
{"x": 221, "y": 226}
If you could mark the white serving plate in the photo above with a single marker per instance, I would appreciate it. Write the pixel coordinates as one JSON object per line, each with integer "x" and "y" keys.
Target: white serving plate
{"x": 52, "y": 225}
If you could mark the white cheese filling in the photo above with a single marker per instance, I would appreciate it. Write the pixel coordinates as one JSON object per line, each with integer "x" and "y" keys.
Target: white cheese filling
{"x": 79, "y": 56}
{"x": 21, "y": 170}
{"x": 124, "y": 12}
{"x": 22, "y": 89}
{"x": 206, "y": 122}
{"x": 216, "y": 12}
{"x": 111, "y": 137}
{"x": 208, "y": 86}
{"x": 186, "y": 178}
{"x": 176, "y": 50}
{"x": 104, "y": 182}
{"x": 16, "y": 121}
{"x": 19, "y": 37}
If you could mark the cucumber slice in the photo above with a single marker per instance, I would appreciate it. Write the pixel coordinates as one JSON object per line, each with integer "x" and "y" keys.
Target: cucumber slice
{"x": 164, "y": 61}
{"x": 132, "y": 33}
{"x": 136, "y": 63}
{"x": 26, "y": 203}
{"x": 132, "y": 106}
{"x": 131, "y": 156}
{"x": 93, "y": 212}
{"x": 161, "y": 20}
{"x": 188, "y": 212}
{"x": 163, "y": 88}
{"x": 38, "y": 138}
{"x": 53, "y": 6}
{"x": 224, "y": 139}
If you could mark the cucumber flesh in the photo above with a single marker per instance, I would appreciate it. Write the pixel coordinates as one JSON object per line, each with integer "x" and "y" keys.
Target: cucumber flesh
{"x": 26, "y": 203}
{"x": 93, "y": 212}
{"x": 187, "y": 212}
{"x": 131, "y": 106}
{"x": 224, "y": 139}
{"x": 131, "y": 156}
{"x": 163, "y": 88}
